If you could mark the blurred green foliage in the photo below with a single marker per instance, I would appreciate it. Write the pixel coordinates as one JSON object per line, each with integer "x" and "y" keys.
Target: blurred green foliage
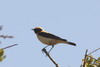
{"x": 2, "y": 56}
{"x": 90, "y": 61}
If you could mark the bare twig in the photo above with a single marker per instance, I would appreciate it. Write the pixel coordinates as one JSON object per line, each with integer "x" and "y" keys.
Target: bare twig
{"x": 6, "y": 36}
{"x": 9, "y": 46}
{"x": 93, "y": 51}
{"x": 44, "y": 50}
{"x": 85, "y": 58}
{"x": 1, "y": 27}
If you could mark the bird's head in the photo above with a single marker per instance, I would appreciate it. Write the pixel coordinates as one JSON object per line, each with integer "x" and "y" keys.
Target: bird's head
{"x": 37, "y": 29}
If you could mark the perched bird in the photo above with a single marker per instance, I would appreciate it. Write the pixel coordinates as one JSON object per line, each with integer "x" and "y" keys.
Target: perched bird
{"x": 50, "y": 39}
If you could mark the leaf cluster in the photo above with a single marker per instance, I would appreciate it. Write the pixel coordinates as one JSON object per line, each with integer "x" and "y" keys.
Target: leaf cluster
{"x": 2, "y": 56}
{"x": 90, "y": 61}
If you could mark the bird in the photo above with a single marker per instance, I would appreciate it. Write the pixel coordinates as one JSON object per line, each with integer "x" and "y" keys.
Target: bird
{"x": 50, "y": 39}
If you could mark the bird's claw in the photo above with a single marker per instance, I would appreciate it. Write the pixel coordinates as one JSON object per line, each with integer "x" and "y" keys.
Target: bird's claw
{"x": 44, "y": 51}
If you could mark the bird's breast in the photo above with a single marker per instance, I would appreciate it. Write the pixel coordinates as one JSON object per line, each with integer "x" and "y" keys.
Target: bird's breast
{"x": 45, "y": 40}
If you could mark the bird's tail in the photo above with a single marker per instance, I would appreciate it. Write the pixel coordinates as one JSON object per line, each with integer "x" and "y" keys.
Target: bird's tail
{"x": 71, "y": 43}
{"x": 67, "y": 42}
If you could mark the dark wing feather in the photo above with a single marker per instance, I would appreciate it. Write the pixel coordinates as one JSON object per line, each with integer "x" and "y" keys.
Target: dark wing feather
{"x": 48, "y": 35}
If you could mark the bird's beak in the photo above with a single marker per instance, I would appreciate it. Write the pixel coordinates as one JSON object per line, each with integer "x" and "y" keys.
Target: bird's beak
{"x": 32, "y": 29}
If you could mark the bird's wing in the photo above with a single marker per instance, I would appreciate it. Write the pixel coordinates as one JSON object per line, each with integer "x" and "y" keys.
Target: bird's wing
{"x": 48, "y": 35}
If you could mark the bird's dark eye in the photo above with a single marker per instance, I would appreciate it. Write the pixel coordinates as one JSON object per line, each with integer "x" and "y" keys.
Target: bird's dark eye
{"x": 37, "y": 30}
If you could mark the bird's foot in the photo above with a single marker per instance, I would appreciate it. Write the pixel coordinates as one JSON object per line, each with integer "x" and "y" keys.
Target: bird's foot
{"x": 44, "y": 51}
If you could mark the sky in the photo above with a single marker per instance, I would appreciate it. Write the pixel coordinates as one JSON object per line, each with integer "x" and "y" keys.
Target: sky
{"x": 77, "y": 21}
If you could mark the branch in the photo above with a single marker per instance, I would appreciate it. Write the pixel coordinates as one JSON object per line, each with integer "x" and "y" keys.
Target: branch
{"x": 93, "y": 51}
{"x": 10, "y": 46}
{"x": 6, "y": 36}
{"x": 44, "y": 50}
{"x": 1, "y": 27}
{"x": 85, "y": 58}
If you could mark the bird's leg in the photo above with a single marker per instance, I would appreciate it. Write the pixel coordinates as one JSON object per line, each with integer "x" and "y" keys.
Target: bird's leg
{"x": 51, "y": 49}
{"x": 44, "y": 48}
{"x": 52, "y": 44}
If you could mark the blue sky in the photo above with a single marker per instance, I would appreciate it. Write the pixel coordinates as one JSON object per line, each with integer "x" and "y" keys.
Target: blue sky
{"x": 75, "y": 20}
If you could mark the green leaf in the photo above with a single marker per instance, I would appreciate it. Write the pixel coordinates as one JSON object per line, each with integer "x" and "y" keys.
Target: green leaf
{"x": 1, "y": 52}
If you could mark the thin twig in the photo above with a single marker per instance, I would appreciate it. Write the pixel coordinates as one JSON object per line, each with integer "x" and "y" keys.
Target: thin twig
{"x": 0, "y": 42}
{"x": 93, "y": 51}
{"x": 9, "y": 46}
{"x": 85, "y": 58}
{"x": 6, "y": 36}
{"x": 1, "y": 27}
{"x": 44, "y": 50}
